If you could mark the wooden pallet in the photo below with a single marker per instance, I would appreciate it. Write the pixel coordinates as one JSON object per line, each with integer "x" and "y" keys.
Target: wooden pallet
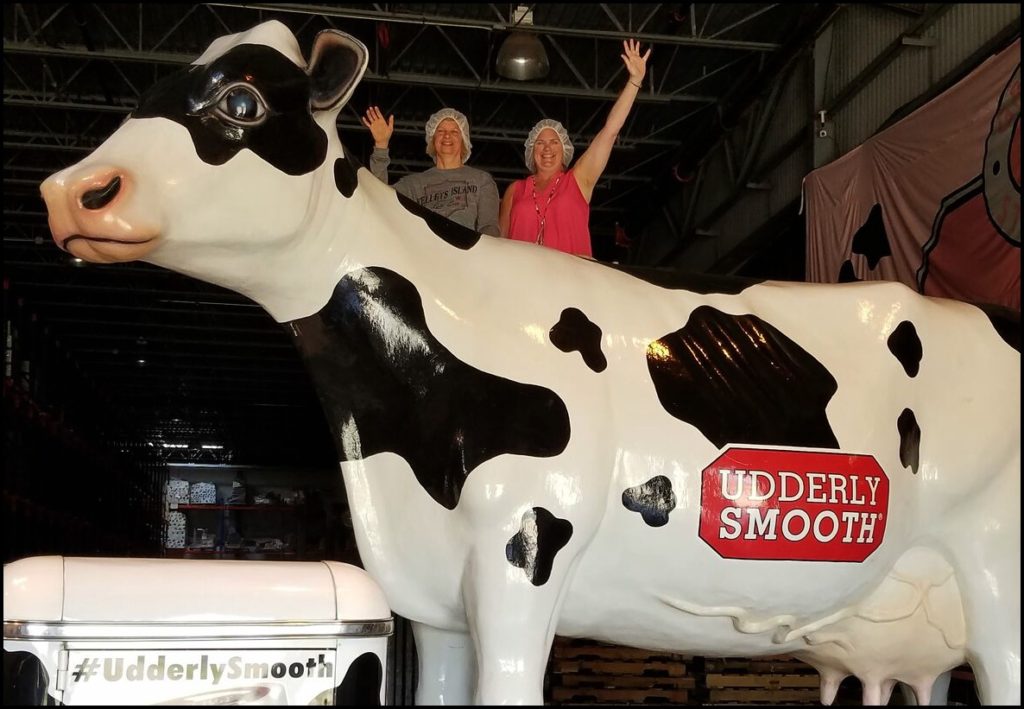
{"x": 615, "y": 695}
{"x": 963, "y": 673}
{"x": 590, "y": 650}
{"x": 766, "y": 681}
{"x": 764, "y": 696}
{"x": 589, "y": 672}
{"x": 774, "y": 664}
{"x": 626, "y": 681}
{"x": 777, "y": 679}
{"x": 656, "y": 668}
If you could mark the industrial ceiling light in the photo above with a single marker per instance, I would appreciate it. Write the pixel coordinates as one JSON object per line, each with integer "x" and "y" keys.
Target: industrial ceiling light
{"x": 522, "y": 56}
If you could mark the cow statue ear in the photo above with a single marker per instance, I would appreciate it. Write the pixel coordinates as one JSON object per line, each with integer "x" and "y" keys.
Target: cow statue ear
{"x": 335, "y": 67}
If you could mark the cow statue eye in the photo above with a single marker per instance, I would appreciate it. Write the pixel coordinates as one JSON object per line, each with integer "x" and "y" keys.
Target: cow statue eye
{"x": 241, "y": 105}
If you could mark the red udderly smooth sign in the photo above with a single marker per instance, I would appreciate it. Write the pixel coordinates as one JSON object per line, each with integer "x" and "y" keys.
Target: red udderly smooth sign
{"x": 798, "y": 505}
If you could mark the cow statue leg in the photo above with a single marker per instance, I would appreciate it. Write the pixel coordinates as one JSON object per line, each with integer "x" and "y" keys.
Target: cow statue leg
{"x": 513, "y": 628}
{"x": 986, "y": 547}
{"x": 447, "y": 666}
{"x": 513, "y": 612}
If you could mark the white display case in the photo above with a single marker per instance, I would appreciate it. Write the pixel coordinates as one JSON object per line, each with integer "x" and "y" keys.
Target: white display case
{"x": 183, "y": 631}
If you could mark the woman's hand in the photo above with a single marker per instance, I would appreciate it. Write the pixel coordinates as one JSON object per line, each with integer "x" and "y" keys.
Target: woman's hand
{"x": 380, "y": 129}
{"x": 592, "y": 163}
{"x": 636, "y": 64}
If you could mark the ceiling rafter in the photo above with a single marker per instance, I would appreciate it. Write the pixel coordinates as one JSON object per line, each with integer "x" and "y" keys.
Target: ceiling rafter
{"x": 467, "y": 23}
{"x": 403, "y": 78}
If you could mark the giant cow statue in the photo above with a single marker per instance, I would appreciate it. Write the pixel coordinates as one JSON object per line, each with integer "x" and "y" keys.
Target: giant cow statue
{"x": 535, "y": 443}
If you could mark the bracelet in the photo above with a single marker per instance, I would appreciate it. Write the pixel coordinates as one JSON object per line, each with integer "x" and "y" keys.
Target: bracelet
{"x": 639, "y": 86}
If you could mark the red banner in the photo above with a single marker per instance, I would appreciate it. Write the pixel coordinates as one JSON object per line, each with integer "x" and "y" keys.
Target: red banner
{"x": 932, "y": 201}
{"x": 796, "y": 505}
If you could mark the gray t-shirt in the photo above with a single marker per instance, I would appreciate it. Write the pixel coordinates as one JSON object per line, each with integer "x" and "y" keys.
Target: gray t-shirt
{"x": 464, "y": 194}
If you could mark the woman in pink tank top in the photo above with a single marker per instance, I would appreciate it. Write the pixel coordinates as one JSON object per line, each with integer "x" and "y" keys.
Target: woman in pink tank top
{"x": 552, "y": 206}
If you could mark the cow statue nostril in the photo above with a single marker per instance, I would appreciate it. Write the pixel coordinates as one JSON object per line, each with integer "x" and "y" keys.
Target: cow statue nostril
{"x": 100, "y": 198}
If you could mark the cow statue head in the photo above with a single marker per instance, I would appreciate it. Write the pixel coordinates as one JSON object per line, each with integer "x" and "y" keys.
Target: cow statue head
{"x": 224, "y": 158}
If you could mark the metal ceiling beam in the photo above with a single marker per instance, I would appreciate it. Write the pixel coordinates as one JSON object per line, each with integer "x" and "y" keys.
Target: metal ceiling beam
{"x": 744, "y": 20}
{"x": 21, "y": 99}
{"x": 568, "y": 62}
{"x": 900, "y": 9}
{"x": 247, "y": 345}
{"x": 12, "y": 145}
{"x": 143, "y": 307}
{"x": 742, "y": 252}
{"x": 165, "y": 325}
{"x": 657, "y": 8}
{"x": 400, "y": 78}
{"x": 736, "y": 103}
{"x": 468, "y": 64}
{"x": 138, "y": 267}
{"x": 533, "y": 89}
{"x": 86, "y": 354}
{"x": 224, "y": 295}
{"x": 175, "y": 376}
{"x": 484, "y": 25}
{"x": 886, "y": 57}
{"x": 1000, "y": 40}
{"x": 612, "y": 17}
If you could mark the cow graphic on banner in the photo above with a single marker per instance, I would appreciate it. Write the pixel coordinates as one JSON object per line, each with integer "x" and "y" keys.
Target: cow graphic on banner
{"x": 977, "y": 228}
{"x": 932, "y": 201}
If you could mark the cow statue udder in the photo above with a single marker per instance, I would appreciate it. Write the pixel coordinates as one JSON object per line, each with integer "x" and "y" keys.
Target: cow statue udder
{"x": 534, "y": 443}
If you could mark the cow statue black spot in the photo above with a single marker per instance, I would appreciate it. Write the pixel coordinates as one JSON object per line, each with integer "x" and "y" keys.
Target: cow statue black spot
{"x": 534, "y": 443}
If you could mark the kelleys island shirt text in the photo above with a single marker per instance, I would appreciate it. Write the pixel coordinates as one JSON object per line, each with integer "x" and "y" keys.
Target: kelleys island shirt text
{"x": 796, "y": 505}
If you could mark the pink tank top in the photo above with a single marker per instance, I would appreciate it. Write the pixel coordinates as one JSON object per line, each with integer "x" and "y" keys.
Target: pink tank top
{"x": 561, "y": 208}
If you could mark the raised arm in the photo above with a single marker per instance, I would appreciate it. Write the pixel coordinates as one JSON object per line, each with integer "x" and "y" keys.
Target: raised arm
{"x": 591, "y": 164}
{"x": 381, "y": 131}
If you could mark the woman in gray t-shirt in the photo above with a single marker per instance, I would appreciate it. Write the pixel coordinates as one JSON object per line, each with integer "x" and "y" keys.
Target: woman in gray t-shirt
{"x": 463, "y": 194}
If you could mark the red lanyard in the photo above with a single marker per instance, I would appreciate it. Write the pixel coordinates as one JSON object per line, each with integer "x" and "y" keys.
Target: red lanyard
{"x": 536, "y": 205}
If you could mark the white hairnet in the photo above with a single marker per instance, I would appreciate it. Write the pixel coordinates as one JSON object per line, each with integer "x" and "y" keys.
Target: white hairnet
{"x": 435, "y": 120}
{"x": 563, "y": 135}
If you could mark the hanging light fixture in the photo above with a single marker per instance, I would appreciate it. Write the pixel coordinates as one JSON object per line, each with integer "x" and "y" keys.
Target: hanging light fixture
{"x": 522, "y": 56}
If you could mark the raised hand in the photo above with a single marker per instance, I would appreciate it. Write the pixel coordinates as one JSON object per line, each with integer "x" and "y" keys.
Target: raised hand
{"x": 380, "y": 129}
{"x": 636, "y": 64}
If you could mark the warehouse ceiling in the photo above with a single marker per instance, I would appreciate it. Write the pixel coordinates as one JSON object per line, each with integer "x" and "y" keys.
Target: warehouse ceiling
{"x": 203, "y": 374}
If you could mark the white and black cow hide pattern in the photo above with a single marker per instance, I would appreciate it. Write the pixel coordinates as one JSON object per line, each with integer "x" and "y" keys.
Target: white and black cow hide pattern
{"x": 533, "y": 548}
{"x": 362, "y": 684}
{"x": 871, "y": 241}
{"x": 910, "y": 440}
{"x": 905, "y": 346}
{"x": 653, "y": 500}
{"x": 258, "y": 122}
{"x": 574, "y": 332}
{"x": 738, "y": 379}
{"x": 377, "y": 367}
